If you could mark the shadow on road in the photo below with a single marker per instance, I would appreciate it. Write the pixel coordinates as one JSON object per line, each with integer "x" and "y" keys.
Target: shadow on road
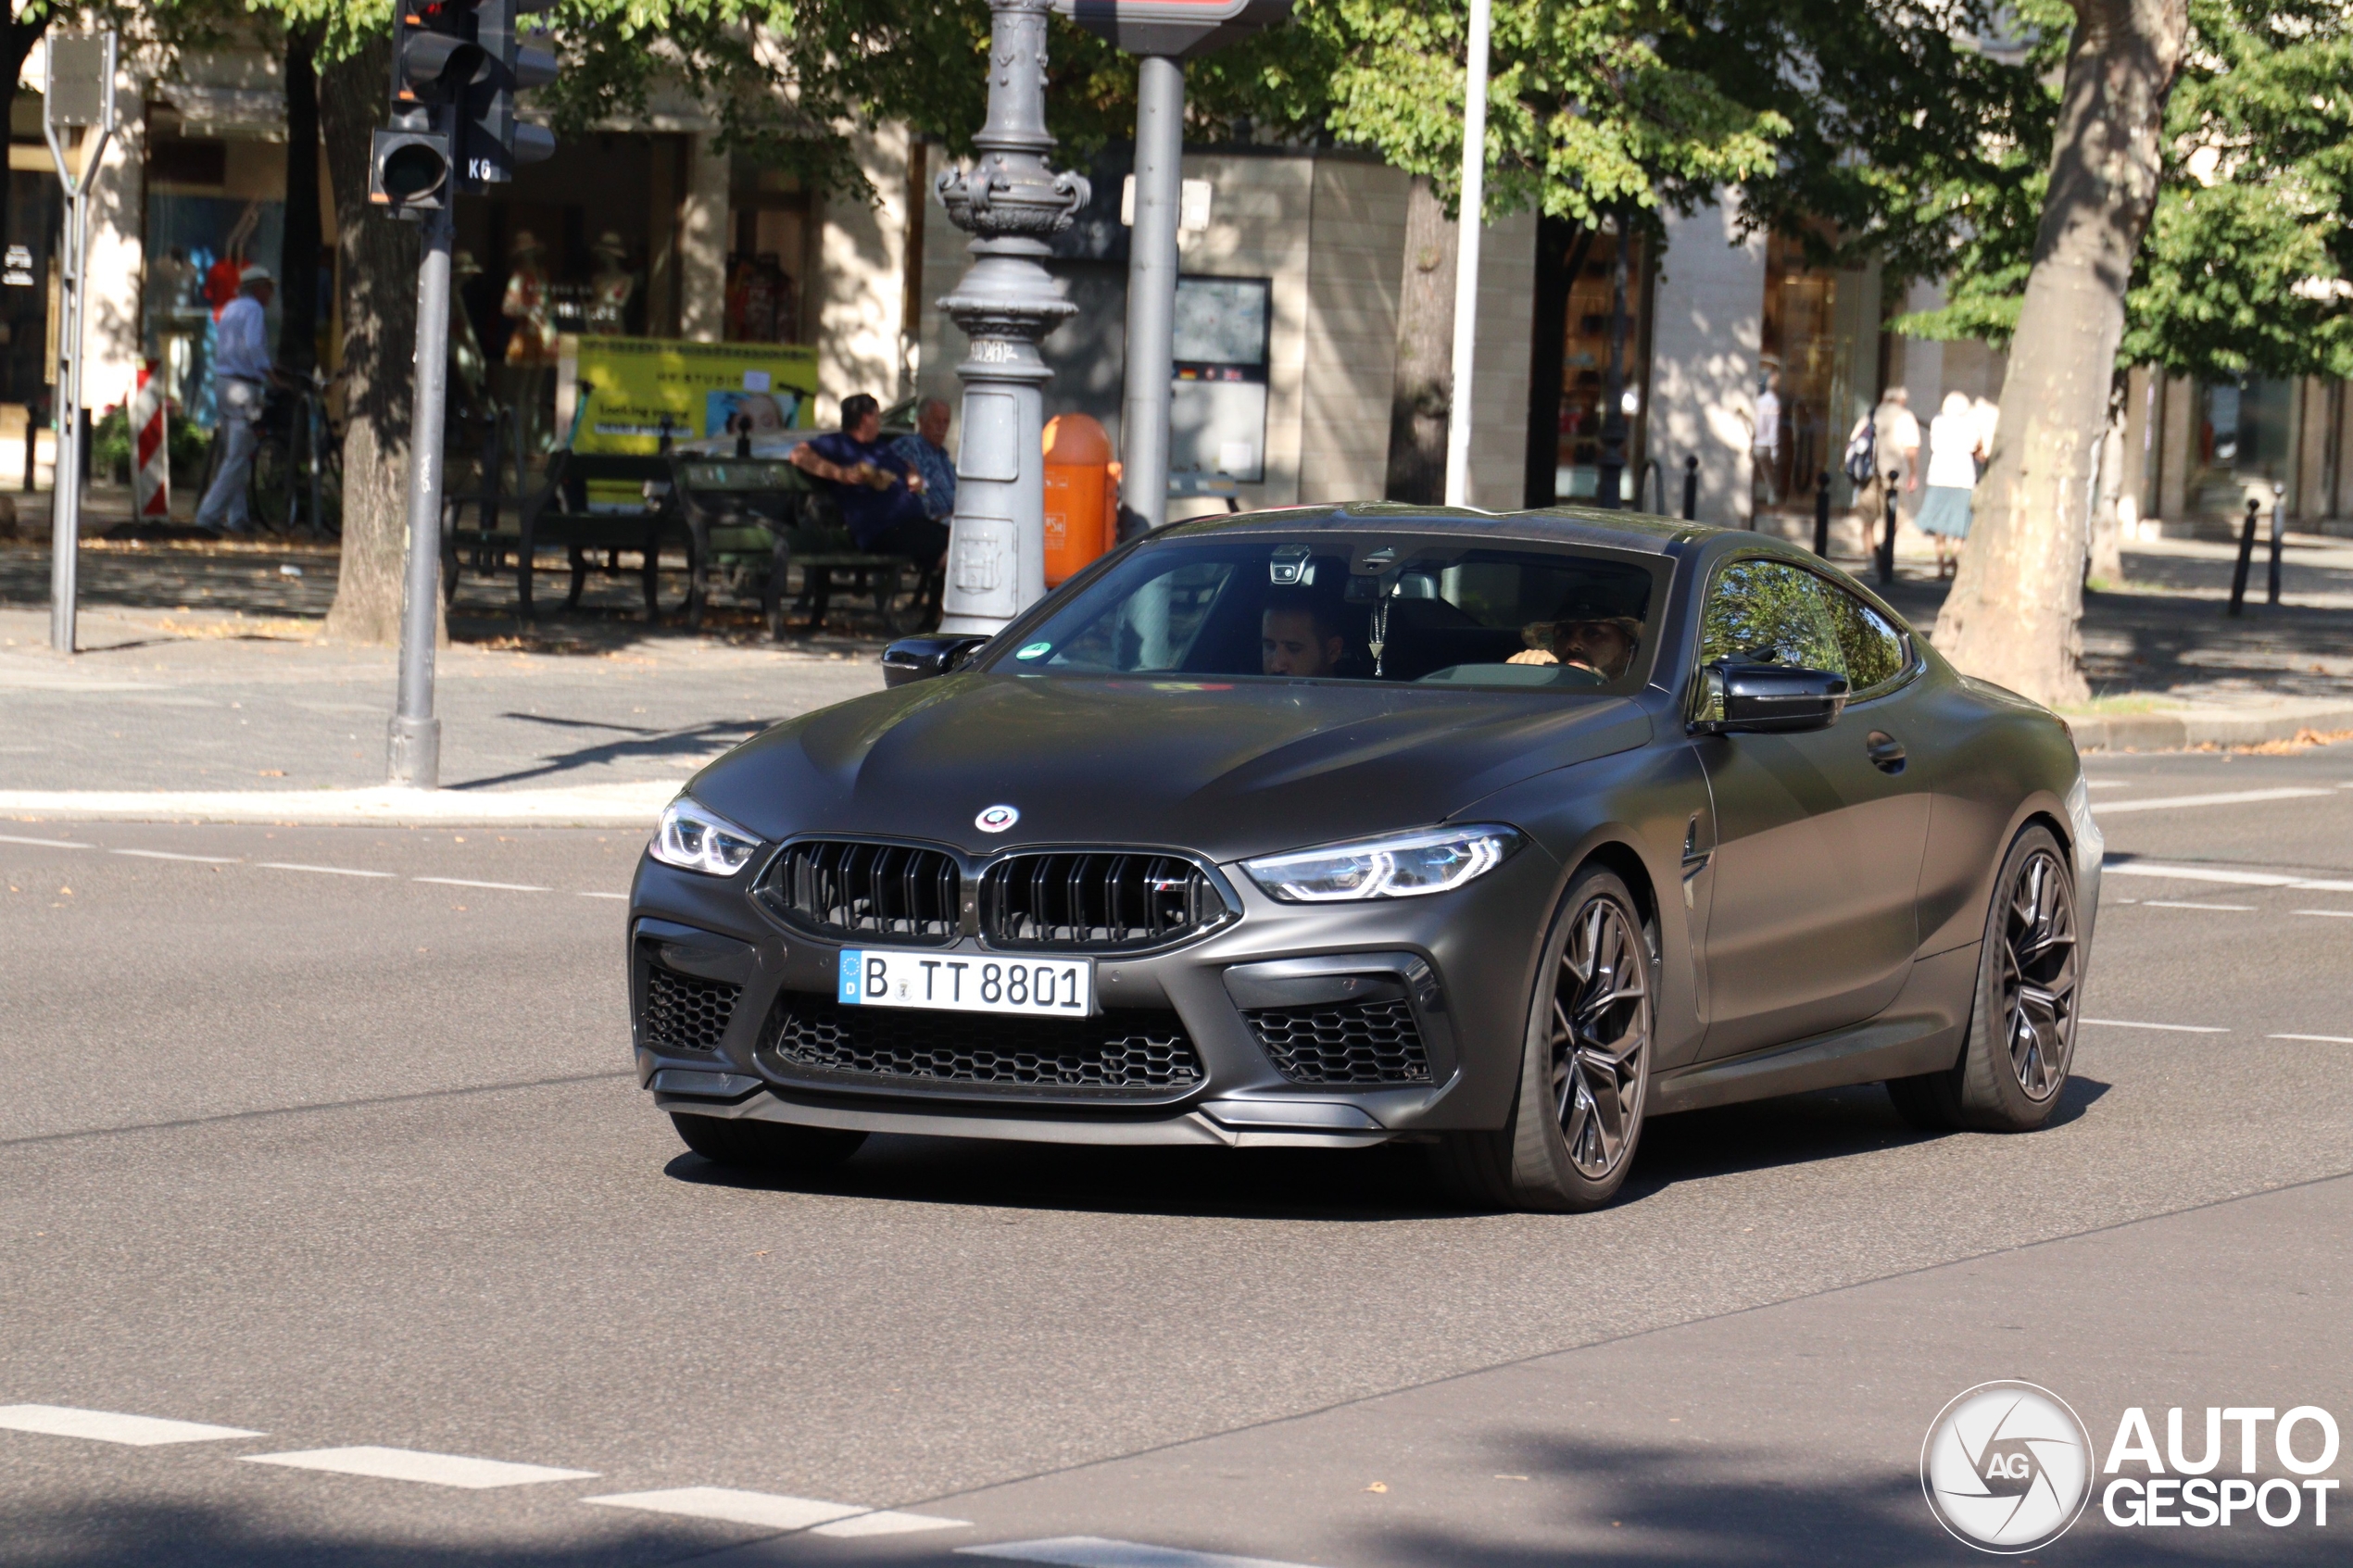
{"x": 1392, "y": 1182}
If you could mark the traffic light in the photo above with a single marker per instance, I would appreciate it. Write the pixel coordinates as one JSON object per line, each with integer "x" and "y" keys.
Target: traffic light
{"x": 457, "y": 66}
{"x": 499, "y": 143}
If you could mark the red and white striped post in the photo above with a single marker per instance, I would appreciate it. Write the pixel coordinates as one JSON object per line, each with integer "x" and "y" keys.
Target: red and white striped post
{"x": 151, "y": 485}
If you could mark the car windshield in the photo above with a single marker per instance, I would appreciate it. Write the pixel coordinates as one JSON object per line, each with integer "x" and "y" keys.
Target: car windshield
{"x": 1429, "y": 611}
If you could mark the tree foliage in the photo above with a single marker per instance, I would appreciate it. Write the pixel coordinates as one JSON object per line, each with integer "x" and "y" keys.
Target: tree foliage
{"x": 2246, "y": 267}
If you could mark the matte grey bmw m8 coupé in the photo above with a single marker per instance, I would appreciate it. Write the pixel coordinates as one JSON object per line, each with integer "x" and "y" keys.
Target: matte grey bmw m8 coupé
{"x": 1333, "y": 826}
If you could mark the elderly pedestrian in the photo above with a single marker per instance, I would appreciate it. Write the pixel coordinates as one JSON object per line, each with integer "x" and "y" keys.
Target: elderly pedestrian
{"x": 241, "y": 375}
{"x": 926, "y": 453}
{"x": 1953, "y": 438}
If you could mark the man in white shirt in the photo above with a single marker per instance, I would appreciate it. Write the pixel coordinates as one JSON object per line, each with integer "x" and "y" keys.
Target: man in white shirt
{"x": 241, "y": 374}
{"x": 1899, "y": 445}
{"x": 1767, "y": 443}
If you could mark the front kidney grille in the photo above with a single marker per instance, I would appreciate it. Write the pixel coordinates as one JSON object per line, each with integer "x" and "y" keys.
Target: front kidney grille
{"x": 1141, "y": 1051}
{"x": 850, "y": 888}
{"x": 1344, "y": 1043}
{"x": 686, "y": 1012}
{"x": 1096, "y": 901}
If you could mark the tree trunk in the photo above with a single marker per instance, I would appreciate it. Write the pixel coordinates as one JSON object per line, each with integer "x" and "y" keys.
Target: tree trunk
{"x": 378, "y": 259}
{"x": 2012, "y": 616}
{"x": 1422, "y": 395}
{"x": 298, "y": 259}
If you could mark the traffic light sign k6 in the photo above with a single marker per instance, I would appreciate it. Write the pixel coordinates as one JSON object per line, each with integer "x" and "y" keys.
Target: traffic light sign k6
{"x": 456, "y": 67}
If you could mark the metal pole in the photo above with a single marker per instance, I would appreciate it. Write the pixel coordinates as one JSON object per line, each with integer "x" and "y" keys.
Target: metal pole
{"x": 415, "y": 739}
{"x": 2279, "y": 536}
{"x": 1691, "y": 488}
{"x": 1152, "y": 294}
{"x": 64, "y": 511}
{"x": 1822, "y": 515}
{"x": 1887, "y": 539}
{"x": 1010, "y": 202}
{"x": 1458, "y": 419}
{"x": 2246, "y": 558}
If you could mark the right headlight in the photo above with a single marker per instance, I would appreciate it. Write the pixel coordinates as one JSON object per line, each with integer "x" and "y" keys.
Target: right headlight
{"x": 696, "y": 839}
{"x": 1401, "y": 866}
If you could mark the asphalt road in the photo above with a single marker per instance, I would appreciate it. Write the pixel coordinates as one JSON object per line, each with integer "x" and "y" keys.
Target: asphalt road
{"x": 355, "y": 1162}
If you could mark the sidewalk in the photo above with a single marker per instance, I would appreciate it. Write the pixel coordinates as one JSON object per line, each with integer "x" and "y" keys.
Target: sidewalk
{"x": 201, "y": 693}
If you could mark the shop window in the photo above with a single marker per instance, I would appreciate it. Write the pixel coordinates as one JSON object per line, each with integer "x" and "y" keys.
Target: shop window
{"x": 1585, "y": 370}
{"x": 1801, "y": 377}
{"x": 2243, "y": 440}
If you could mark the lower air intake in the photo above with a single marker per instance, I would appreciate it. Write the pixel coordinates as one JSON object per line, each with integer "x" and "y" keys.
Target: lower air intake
{"x": 1344, "y": 1043}
{"x": 686, "y": 1012}
{"x": 1139, "y": 1051}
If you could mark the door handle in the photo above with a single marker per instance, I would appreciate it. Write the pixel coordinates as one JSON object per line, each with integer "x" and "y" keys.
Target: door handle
{"x": 1885, "y": 751}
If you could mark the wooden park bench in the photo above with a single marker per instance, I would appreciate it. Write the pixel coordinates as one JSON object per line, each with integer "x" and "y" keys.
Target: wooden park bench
{"x": 751, "y": 520}
{"x": 558, "y": 516}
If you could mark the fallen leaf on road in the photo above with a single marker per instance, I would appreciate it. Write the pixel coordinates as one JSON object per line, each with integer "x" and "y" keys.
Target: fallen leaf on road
{"x": 270, "y": 773}
{"x": 1377, "y": 1487}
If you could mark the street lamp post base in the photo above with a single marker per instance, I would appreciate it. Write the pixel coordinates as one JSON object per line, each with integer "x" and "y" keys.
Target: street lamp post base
{"x": 416, "y": 751}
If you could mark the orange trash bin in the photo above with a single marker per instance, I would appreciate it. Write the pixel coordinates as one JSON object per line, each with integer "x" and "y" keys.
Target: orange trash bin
{"x": 1080, "y": 519}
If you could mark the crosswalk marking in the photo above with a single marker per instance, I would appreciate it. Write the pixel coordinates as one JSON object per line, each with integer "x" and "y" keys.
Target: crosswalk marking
{"x": 1096, "y": 1551}
{"x": 411, "y": 1465}
{"x": 106, "y": 1426}
{"x": 773, "y": 1511}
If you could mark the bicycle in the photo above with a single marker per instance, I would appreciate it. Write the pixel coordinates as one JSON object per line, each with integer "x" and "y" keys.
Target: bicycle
{"x": 297, "y": 467}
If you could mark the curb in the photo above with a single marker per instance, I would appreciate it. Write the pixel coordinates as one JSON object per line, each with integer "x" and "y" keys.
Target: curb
{"x": 588, "y": 805}
{"x": 2178, "y": 731}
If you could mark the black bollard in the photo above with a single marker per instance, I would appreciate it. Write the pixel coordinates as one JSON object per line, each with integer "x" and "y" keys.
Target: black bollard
{"x": 1691, "y": 488}
{"x": 2246, "y": 558}
{"x": 1887, "y": 539}
{"x": 1822, "y": 515}
{"x": 2279, "y": 536}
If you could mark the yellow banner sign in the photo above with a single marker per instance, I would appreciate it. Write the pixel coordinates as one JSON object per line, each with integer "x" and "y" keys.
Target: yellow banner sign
{"x": 614, "y": 394}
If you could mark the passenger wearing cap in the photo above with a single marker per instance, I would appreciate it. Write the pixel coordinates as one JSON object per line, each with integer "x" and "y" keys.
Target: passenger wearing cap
{"x": 242, "y": 376}
{"x": 1584, "y": 635}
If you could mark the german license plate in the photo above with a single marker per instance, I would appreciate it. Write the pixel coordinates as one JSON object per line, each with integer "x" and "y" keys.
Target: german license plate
{"x": 967, "y": 983}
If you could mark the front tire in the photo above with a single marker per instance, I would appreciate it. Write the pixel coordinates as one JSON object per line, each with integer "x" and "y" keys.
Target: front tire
{"x": 1585, "y": 1065}
{"x": 749, "y": 1145}
{"x": 2021, "y": 1034}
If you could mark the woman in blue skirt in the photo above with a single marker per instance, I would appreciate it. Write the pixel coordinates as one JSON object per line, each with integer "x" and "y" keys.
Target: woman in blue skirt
{"x": 1953, "y": 438}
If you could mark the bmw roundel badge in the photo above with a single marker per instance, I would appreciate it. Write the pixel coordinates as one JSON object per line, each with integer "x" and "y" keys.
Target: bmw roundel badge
{"x": 996, "y": 818}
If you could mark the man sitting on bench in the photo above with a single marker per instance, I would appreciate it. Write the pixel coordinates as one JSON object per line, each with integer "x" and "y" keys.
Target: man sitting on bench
{"x": 880, "y": 498}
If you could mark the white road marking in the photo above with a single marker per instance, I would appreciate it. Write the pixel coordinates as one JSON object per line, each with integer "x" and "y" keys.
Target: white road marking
{"x": 2173, "y": 904}
{"x": 889, "y": 1521}
{"x": 45, "y": 843}
{"x": 621, "y": 896}
{"x": 323, "y": 870}
{"x": 774, "y": 1512}
{"x": 411, "y": 1464}
{"x": 2230, "y": 797}
{"x": 167, "y": 855}
{"x": 2340, "y": 914}
{"x": 769, "y": 1510}
{"x": 2168, "y": 1028}
{"x": 2323, "y": 1039}
{"x": 2236, "y": 878}
{"x": 2107, "y": 784}
{"x": 499, "y": 886}
{"x": 105, "y": 1427}
{"x": 1095, "y": 1551}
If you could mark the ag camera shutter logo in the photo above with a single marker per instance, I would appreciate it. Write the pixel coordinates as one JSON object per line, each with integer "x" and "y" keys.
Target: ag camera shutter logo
{"x": 2006, "y": 1467}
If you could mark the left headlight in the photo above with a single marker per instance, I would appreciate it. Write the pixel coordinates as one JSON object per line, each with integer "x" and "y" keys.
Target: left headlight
{"x": 693, "y": 839}
{"x": 1405, "y": 866}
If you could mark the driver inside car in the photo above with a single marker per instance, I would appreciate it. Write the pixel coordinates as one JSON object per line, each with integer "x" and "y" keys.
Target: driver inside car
{"x": 1300, "y": 635}
{"x": 1583, "y": 637}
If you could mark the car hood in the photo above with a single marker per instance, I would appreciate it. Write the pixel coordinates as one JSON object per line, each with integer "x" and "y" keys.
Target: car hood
{"x": 1226, "y": 770}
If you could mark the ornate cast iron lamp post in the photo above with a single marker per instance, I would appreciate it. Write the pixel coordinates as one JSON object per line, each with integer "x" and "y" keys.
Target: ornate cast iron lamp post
{"x": 1010, "y": 202}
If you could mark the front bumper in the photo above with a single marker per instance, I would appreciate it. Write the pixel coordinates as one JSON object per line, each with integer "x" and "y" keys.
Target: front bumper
{"x": 1461, "y": 960}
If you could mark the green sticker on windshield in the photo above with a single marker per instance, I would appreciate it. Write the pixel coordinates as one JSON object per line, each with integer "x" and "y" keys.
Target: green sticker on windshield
{"x": 1036, "y": 650}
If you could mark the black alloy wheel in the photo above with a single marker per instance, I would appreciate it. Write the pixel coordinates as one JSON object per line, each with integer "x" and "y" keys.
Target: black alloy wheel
{"x": 2021, "y": 1042}
{"x": 1585, "y": 1067}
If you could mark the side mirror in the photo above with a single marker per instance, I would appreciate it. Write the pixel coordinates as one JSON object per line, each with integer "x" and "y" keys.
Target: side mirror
{"x": 1767, "y": 699}
{"x": 919, "y": 658}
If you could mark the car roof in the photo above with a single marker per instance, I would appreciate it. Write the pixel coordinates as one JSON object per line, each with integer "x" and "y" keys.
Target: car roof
{"x": 1567, "y": 525}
